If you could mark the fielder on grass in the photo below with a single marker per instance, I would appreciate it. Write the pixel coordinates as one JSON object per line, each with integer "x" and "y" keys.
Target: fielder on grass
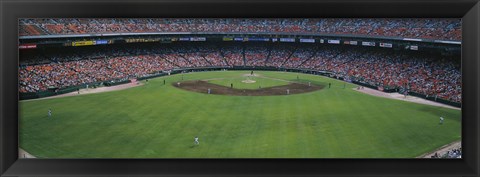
{"x": 195, "y": 140}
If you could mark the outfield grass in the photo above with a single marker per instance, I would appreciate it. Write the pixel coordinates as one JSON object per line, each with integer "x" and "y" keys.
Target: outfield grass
{"x": 160, "y": 121}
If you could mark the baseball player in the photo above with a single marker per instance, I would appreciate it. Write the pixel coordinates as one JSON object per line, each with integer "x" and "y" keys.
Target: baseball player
{"x": 195, "y": 141}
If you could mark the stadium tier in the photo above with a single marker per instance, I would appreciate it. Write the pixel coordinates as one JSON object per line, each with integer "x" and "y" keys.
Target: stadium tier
{"x": 442, "y": 29}
{"x": 425, "y": 73}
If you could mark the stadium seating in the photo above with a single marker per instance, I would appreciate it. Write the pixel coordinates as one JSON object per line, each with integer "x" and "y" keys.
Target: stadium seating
{"x": 445, "y": 29}
{"x": 426, "y": 74}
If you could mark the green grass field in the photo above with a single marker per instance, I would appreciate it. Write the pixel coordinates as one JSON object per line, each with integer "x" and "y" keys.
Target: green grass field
{"x": 160, "y": 121}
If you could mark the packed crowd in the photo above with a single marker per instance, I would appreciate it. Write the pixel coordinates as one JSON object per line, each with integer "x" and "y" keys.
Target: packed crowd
{"x": 432, "y": 75}
{"x": 427, "y": 28}
{"x": 301, "y": 54}
{"x": 279, "y": 54}
{"x": 211, "y": 55}
{"x": 234, "y": 54}
{"x": 256, "y": 55}
{"x": 455, "y": 153}
{"x": 36, "y": 78}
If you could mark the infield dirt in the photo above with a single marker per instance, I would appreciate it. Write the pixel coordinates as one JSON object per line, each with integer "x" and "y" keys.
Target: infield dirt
{"x": 203, "y": 86}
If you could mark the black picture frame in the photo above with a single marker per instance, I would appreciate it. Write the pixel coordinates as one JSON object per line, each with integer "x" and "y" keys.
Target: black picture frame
{"x": 10, "y": 165}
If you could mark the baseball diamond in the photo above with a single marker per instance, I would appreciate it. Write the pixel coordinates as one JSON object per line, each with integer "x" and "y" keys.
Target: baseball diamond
{"x": 240, "y": 88}
{"x": 159, "y": 121}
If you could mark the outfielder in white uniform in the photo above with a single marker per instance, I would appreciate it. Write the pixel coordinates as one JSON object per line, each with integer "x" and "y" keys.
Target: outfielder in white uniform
{"x": 195, "y": 141}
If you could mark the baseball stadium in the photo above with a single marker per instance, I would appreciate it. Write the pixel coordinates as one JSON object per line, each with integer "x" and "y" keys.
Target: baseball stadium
{"x": 240, "y": 88}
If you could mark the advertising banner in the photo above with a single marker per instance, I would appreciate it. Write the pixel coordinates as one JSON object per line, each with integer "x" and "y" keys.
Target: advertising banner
{"x": 156, "y": 39}
{"x": 322, "y": 41}
{"x": 287, "y": 39}
{"x": 331, "y": 41}
{"x": 274, "y": 39}
{"x": 101, "y": 42}
{"x": 353, "y": 43}
{"x": 387, "y": 45}
{"x": 198, "y": 39}
{"x": 413, "y": 47}
{"x": 135, "y": 40}
{"x": 368, "y": 43}
{"x": 258, "y": 39}
{"x": 307, "y": 40}
{"x": 83, "y": 43}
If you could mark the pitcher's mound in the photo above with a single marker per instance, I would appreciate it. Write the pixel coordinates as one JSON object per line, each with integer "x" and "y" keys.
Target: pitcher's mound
{"x": 248, "y": 81}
